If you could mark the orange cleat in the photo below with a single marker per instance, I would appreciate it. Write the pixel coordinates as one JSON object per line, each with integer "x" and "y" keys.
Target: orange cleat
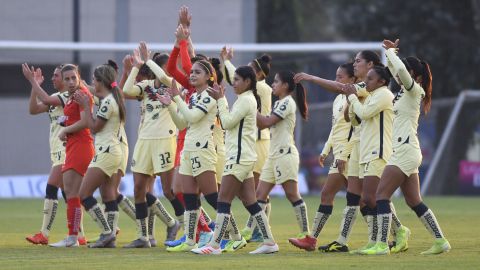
{"x": 307, "y": 243}
{"x": 37, "y": 239}
{"x": 82, "y": 240}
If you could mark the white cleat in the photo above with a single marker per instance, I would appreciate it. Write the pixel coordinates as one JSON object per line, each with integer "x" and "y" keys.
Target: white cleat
{"x": 204, "y": 238}
{"x": 265, "y": 249}
{"x": 207, "y": 250}
{"x": 69, "y": 241}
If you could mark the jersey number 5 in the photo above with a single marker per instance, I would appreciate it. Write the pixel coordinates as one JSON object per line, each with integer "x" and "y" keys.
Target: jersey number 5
{"x": 279, "y": 173}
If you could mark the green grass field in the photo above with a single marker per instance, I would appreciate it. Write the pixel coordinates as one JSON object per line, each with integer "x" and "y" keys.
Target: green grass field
{"x": 458, "y": 216}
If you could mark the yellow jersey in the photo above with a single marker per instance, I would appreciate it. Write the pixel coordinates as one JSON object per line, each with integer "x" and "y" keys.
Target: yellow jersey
{"x": 406, "y": 104}
{"x": 355, "y": 121}
{"x": 342, "y": 131}
{"x": 219, "y": 137}
{"x": 155, "y": 120}
{"x": 199, "y": 118}
{"x": 264, "y": 91}
{"x": 376, "y": 114}
{"x": 110, "y": 133}
{"x": 282, "y": 132}
{"x": 241, "y": 128}
{"x": 54, "y": 113}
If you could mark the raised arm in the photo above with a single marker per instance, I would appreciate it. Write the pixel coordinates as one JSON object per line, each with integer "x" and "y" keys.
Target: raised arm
{"x": 29, "y": 73}
{"x": 34, "y": 106}
{"x": 185, "y": 20}
{"x": 228, "y": 69}
{"x": 185, "y": 57}
{"x": 127, "y": 68}
{"x": 399, "y": 68}
{"x": 130, "y": 88}
{"x": 173, "y": 70}
{"x": 328, "y": 85}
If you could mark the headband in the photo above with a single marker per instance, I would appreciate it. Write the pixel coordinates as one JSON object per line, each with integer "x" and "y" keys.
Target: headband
{"x": 260, "y": 67}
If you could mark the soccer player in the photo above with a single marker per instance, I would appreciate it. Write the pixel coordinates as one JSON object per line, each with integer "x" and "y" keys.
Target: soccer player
{"x": 338, "y": 142}
{"x": 57, "y": 151}
{"x": 122, "y": 201}
{"x": 261, "y": 66}
{"x": 415, "y": 79}
{"x": 154, "y": 151}
{"x": 105, "y": 189}
{"x": 79, "y": 147}
{"x": 108, "y": 157}
{"x": 364, "y": 61}
{"x": 283, "y": 160}
{"x": 240, "y": 124}
{"x": 182, "y": 55}
{"x": 376, "y": 114}
{"x": 198, "y": 159}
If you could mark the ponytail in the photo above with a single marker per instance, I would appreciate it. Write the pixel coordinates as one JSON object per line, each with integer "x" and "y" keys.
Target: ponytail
{"x": 301, "y": 100}
{"x": 121, "y": 104}
{"x": 427, "y": 86}
{"x": 262, "y": 65}
{"x": 421, "y": 68}
{"x": 300, "y": 92}
{"x": 106, "y": 74}
{"x": 257, "y": 97}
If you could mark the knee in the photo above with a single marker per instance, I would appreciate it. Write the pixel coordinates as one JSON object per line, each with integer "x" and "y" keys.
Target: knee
{"x": 168, "y": 194}
{"x": 292, "y": 196}
{"x": 327, "y": 197}
{"x": 380, "y": 195}
{"x": 369, "y": 200}
{"x": 82, "y": 194}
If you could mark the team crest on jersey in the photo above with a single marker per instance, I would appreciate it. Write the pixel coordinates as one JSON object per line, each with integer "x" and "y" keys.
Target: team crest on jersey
{"x": 362, "y": 84}
{"x": 193, "y": 101}
{"x": 152, "y": 92}
{"x": 149, "y": 108}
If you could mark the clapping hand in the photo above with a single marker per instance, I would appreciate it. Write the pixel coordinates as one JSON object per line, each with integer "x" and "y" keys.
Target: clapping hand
{"x": 388, "y": 44}
{"x": 217, "y": 92}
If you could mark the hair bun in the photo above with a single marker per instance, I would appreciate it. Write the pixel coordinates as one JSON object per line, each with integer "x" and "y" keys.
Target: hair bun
{"x": 113, "y": 64}
{"x": 156, "y": 54}
{"x": 266, "y": 58}
{"x": 215, "y": 62}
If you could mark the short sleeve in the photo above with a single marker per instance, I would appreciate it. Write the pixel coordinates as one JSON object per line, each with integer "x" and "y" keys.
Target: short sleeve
{"x": 206, "y": 103}
{"x": 284, "y": 108}
{"x": 96, "y": 100}
{"x": 63, "y": 98}
{"x": 105, "y": 110}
